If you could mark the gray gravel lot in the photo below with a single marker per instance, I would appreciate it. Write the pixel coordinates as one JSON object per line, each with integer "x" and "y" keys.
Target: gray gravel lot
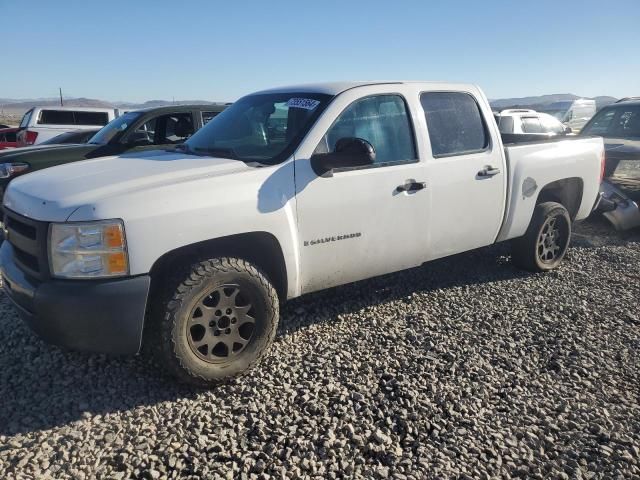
{"x": 464, "y": 368}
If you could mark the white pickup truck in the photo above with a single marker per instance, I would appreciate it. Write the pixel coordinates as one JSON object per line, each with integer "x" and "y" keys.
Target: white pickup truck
{"x": 286, "y": 192}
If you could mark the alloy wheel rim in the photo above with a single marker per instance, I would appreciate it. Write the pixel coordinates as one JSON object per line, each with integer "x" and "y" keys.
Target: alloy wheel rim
{"x": 550, "y": 245}
{"x": 221, "y": 324}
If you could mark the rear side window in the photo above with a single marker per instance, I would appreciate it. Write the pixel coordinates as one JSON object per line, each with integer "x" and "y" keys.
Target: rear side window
{"x": 506, "y": 124}
{"x": 69, "y": 117}
{"x": 178, "y": 128}
{"x": 10, "y": 137}
{"x": 91, "y": 118}
{"x": 551, "y": 124}
{"x": 532, "y": 125}
{"x": 206, "y": 116}
{"x": 455, "y": 123}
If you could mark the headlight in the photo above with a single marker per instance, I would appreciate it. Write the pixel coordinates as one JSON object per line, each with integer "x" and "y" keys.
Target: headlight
{"x": 88, "y": 250}
{"x": 8, "y": 170}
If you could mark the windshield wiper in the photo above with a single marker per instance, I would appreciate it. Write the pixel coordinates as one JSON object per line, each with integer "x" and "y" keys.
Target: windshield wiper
{"x": 219, "y": 152}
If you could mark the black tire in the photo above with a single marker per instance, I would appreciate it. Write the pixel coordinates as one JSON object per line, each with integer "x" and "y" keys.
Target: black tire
{"x": 205, "y": 318}
{"x": 546, "y": 240}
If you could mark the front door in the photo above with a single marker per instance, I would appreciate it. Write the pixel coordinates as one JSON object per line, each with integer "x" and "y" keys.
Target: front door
{"x": 364, "y": 221}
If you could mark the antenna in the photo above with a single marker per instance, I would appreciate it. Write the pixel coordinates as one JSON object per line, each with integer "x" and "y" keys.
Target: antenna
{"x": 61, "y": 104}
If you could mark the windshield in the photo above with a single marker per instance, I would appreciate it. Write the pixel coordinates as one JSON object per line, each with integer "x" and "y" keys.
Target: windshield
{"x": 617, "y": 122}
{"x": 264, "y": 128}
{"x": 114, "y": 127}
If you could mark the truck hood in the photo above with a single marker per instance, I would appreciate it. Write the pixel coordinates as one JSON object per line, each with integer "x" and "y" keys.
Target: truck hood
{"x": 55, "y": 193}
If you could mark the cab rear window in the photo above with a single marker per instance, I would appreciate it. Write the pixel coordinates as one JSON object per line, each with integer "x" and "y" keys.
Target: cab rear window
{"x": 70, "y": 117}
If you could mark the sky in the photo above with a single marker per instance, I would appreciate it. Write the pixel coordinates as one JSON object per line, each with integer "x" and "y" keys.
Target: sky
{"x": 139, "y": 50}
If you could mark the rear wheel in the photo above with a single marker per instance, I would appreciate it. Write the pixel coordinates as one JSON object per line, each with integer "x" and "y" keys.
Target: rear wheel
{"x": 546, "y": 240}
{"x": 218, "y": 322}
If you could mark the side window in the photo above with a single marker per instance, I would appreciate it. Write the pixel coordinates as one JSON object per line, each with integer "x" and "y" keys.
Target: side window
{"x": 532, "y": 125}
{"x": 382, "y": 120}
{"x": 277, "y": 124}
{"x": 506, "y": 125}
{"x": 551, "y": 125}
{"x": 56, "y": 117}
{"x": 177, "y": 128}
{"x": 454, "y": 122}
{"x": 206, "y": 116}
{"x": 601, "y": 123}
{"x": 144, "y": 134}
{"x": 10, "y": 136}
{"x": 91, "y": 118}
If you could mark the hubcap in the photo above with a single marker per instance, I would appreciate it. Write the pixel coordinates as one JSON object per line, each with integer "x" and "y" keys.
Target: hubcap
{"x": 221, "y": 324}
{"x": 550, "y": 241}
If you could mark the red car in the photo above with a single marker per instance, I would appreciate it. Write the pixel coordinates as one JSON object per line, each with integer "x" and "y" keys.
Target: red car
{"x": 8, "y": 138}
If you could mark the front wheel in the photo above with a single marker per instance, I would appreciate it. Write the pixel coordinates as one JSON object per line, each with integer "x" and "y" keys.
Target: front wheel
{"x": 217, "y": 322}
{"x": 546, "y": 241}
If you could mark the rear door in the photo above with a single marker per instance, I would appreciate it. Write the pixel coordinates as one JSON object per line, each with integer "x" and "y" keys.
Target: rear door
{"x": 466, "y": 173}
{"x": 358, "y": 223}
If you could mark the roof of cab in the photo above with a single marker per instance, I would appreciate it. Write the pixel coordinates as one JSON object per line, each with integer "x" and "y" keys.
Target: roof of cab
{"x": 335, "y": 88}
{"x": 207, "y": 107}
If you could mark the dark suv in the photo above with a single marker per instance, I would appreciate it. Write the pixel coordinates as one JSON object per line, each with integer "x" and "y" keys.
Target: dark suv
{"x": 619, "y": 124}
{"x": 147, "y": 129}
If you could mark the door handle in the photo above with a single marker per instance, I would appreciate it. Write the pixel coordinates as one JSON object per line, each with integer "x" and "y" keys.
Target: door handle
{"x": 488, "y": 171}
{"x": 411, "y": 186}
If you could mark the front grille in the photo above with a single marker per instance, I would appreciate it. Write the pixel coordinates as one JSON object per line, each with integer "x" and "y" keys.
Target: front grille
{"x": 29, "y": 240}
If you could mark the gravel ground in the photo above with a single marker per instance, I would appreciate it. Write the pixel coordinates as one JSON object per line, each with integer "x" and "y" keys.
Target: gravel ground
{"x": 465, "y": 368}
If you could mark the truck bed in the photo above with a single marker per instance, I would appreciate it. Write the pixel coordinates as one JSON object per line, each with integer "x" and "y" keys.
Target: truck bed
{"x": 532, "y": 165}
{"x": 528, "y": 138}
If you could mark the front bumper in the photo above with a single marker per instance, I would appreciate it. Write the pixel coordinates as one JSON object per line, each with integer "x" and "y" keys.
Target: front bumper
{"x": 92, "y": 315}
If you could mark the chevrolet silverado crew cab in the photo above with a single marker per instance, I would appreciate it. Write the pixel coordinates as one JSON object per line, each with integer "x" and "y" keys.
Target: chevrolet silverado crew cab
{"x": 42, "y": 123}
{"x": 286, "y": 192}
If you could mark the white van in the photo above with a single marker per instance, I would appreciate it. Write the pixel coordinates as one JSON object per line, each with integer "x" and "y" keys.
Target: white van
{"x": 42, "y": 123}
{"x": 574, "y": 114}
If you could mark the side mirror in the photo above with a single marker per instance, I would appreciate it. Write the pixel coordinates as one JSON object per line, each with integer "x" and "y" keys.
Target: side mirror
{"x": 568, "y": 130}
{"x": 349, "y": 152}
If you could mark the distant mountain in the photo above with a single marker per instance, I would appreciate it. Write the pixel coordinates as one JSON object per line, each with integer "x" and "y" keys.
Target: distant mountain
{"x": 545, "y": 100}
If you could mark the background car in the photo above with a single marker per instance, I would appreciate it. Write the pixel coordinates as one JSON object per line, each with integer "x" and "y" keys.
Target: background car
{"x": 8, "y": 138}
{"x": 619, "y": 124}
{"x": 574, "y": 113}
{"x": 524, "y": 121}
{"x": 42, "y": 123}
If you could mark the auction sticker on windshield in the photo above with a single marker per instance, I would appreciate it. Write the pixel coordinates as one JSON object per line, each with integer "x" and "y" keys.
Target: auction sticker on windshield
{"x": 306, "y": 103}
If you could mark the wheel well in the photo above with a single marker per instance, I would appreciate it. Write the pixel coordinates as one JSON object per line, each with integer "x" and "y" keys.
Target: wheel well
{"x": 567, "y": 192}
{"x": 260, "y": 248}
